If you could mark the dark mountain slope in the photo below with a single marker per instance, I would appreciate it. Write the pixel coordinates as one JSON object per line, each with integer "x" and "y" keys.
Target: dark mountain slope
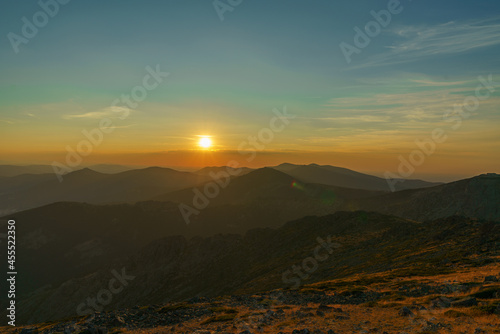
{"x": 175, "y": 268}
{"x": 63, "y": 240}
{"x": 477, "y": 197}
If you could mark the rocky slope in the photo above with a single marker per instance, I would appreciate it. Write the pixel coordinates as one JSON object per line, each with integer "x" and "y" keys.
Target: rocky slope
{"x": 175, "y": 269}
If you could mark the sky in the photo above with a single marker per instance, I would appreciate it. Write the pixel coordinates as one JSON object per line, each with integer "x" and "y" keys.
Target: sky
{"x": 415, "y": 93}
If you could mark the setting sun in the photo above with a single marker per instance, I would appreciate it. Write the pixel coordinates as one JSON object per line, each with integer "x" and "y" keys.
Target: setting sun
{"x": 205, "y": 142}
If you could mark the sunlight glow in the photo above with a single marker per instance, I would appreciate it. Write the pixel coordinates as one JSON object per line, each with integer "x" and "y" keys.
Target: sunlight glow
{"x": 205, "y": 142}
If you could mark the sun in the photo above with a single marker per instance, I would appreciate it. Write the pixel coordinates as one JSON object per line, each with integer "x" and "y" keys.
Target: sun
{"x": 205, "y": 142}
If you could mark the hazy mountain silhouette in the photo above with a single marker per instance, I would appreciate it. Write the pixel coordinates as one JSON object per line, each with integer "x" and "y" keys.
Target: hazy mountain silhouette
{"x": 21, "y": 182}
{"x": 26, "y": 191}
{"x": 218, "y": 169}
{"x": 267, "y": 184}
{"x": 13, "y": 170}
{"x": 343, "y": 177}
{"x": 89, "y": 186}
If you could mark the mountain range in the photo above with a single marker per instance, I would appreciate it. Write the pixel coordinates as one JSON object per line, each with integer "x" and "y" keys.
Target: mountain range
{"x": 28, "y": 190}
{"x": 252, "y": 225}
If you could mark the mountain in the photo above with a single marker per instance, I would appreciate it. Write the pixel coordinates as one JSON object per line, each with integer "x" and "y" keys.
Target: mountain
{"x": 477, "y": 197}
{"x": 79, "y": 237}
{"x": 216, "y": 170}
{"x": 346, "y": 244}
{"x": 343, "y": 177}
{"x": 13, "y": 170}
{"x": 271, "y": 198}
{"x": 266, "y": 184}
{"x": 110, "y": 169}
{"x": 22, "y": 182}
{"x": 86, "y": 185}
{"x": 26, "y": 191}
{"x": 63, "y": 240}
{"x": 264, "y": 198}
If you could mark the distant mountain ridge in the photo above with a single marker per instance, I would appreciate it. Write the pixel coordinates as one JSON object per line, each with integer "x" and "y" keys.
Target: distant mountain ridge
{"x": 14, "y": 170}
{"x": 27, "y": 191}
{"x": 343, "y": 177}
{"x": 87, "y": 185}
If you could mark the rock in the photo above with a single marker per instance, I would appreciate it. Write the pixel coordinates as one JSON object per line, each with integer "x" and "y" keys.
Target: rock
{"x": 405, "y": 312}
{"x": 434, "y": 327}
{"x": 441, "y": 302}
{"x": 341, "y": 317}
{"x": 465, "y": 302}
{"x": 490, "y": 279}
{"x": 301, "y": 331}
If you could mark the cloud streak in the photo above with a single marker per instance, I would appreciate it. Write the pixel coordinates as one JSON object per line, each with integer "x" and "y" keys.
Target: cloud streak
{"x": 110, "y": 112}
{"x": 418, "y": 42}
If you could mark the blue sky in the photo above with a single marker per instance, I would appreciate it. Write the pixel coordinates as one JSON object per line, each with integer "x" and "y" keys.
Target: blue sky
{"x": 226, "y": 76}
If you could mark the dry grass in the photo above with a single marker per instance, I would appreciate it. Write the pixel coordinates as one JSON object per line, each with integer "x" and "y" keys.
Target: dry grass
{"x": 372, "y": 317}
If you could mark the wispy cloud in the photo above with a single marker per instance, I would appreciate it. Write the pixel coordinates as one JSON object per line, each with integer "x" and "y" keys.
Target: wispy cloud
{"x": 110, "y": 112}
{"x": 417, "y": 42}
{"x": 357, "y": 118}
{"x": 414, "y": 110}
{"x": 430, "y": 83}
